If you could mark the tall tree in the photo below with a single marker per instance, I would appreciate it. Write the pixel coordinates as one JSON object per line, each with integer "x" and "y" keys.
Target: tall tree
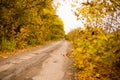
{"x": 99, "y": 13}
{"x": 28, "y": 22}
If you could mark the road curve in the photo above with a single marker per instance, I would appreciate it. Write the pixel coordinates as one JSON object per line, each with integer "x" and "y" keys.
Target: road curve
{"x": 46, "y": 63}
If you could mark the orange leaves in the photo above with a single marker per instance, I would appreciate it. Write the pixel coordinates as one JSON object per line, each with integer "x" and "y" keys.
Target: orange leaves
{"x": 23, "y": 30}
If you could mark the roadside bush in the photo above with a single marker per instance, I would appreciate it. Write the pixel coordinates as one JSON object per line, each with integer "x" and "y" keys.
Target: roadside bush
{"x": 7, "y": 45}
{"x": 96, "y": 54}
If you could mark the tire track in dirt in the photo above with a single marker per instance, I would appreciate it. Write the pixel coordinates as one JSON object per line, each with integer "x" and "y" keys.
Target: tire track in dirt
{"x": 46, "y": 63}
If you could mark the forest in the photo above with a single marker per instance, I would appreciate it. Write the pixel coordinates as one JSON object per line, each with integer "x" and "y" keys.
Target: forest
{"x": 96, "y": 53}
{"x": 96, "y": 47}
{"x": 26, "y": 23}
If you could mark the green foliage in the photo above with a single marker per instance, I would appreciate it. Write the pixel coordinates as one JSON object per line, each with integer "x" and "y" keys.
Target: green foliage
{"x": 96, "y": 53}
{"x": 7, "y": 45}
{"x": 27, "y": 23}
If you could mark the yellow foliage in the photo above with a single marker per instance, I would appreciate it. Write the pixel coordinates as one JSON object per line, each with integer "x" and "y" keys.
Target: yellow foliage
{"x": 26, "y": 23}
{"x": 96, "y": 53}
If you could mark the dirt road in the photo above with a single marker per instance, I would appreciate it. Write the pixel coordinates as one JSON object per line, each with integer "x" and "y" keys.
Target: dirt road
{"x": 46, "y": 63}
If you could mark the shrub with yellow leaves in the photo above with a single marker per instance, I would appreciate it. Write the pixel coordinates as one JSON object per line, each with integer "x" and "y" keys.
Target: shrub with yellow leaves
{"x": 96, "y": 54}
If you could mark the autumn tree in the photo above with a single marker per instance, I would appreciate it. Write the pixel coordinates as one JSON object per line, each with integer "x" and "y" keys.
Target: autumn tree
{"x": 96, "y": 52}
{"x": 99, "y": 13}
{"x": 27, "y": 22}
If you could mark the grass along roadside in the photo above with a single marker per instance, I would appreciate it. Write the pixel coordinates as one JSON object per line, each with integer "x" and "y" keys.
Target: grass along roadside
{"x": 6, "y": 54}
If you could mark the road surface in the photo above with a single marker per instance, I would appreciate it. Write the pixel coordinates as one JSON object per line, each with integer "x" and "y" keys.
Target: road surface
{"x": 46, "y": 63}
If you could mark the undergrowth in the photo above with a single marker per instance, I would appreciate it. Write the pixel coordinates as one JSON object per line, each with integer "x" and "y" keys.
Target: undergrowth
{"x": 96, "y": 54}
